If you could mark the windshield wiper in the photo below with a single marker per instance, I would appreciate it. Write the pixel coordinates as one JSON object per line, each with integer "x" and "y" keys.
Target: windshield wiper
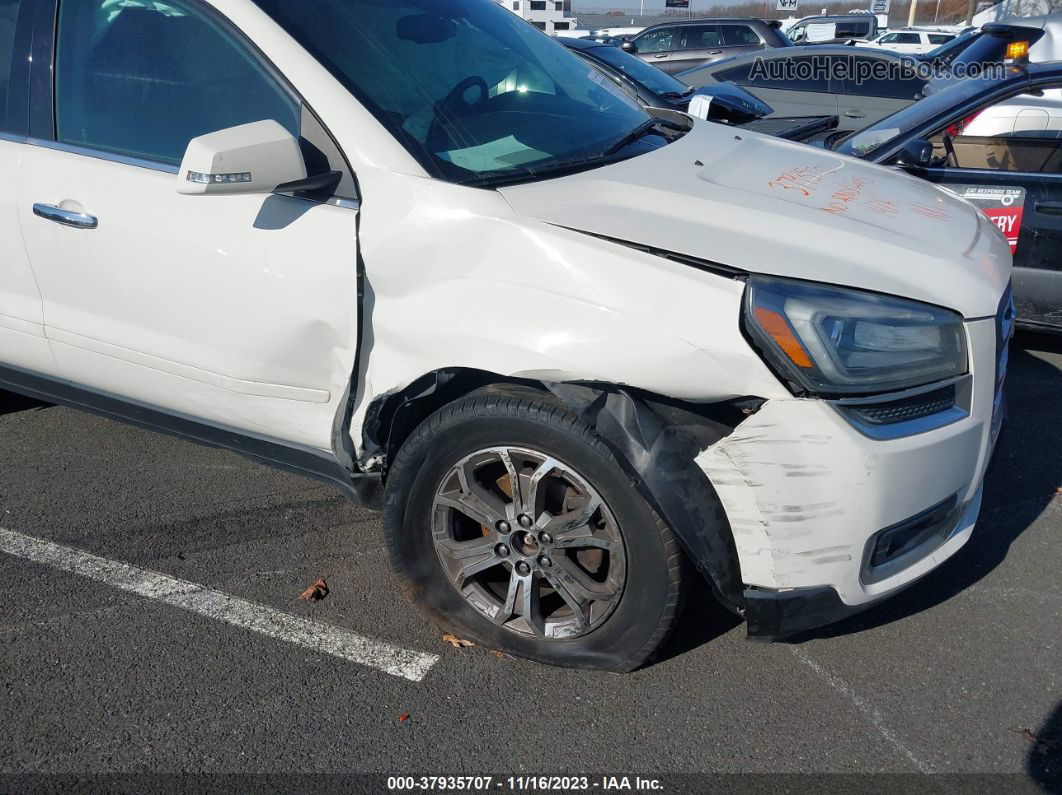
{"x": 530, "y": 173}
{"x": 640, "y": 131}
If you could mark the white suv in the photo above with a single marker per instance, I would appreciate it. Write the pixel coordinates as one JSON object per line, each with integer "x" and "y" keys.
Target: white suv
{"x": 419, "y": 251}
{"x": 910, "y": 41}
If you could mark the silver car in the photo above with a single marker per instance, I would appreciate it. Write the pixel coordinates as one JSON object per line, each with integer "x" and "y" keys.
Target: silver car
{"x": 810, "y": 81}
{"x": 683, "y": 44}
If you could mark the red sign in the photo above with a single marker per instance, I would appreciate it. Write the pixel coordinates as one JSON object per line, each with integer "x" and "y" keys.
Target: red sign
{"x": 1008, "y": 219}
{"x": 1003, "y": 205}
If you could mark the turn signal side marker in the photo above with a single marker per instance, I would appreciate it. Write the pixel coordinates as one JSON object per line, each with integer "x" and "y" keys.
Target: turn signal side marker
{"x": 777, "y": 328}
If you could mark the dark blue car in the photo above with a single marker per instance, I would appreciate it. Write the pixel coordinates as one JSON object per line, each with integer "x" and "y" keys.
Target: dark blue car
{"x": 1014, "y": 176}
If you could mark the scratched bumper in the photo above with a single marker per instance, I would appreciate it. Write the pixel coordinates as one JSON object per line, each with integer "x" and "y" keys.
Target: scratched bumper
{"x": 804, "y": 492}
{"x": 771, "y": 614}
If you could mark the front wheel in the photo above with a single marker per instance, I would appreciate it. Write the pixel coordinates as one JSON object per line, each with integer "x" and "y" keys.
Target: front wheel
{"x": 512, "y": 525}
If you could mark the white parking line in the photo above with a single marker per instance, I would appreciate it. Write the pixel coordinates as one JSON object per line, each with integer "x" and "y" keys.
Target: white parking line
{"x": 196, "y": 598}
{"x": 875, "y": 717}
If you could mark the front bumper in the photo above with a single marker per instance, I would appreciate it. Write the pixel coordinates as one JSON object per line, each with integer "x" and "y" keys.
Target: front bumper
{"x": 770, "y": 615}
{"x": 805, "y": 491}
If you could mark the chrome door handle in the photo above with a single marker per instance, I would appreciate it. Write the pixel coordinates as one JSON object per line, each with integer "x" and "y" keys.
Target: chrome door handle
{"x": 661, "y": 55}
{"x": 50, "y": 212}
{"x": 855, "y": 114}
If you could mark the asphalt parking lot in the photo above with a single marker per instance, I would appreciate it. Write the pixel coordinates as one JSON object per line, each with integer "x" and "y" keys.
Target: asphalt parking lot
{"x": 962, "y": 673}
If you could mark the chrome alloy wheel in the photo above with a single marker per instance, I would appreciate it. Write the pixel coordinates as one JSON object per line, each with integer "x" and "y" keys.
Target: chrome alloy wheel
{"x": 528, "y": 543}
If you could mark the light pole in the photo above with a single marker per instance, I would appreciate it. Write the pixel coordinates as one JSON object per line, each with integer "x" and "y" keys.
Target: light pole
{"x": 911, "y": 16}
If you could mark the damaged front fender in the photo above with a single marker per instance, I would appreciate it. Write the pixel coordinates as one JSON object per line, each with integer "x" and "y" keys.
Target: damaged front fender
{"x": 657, "y": 443}
{"x": 655, "y": 439}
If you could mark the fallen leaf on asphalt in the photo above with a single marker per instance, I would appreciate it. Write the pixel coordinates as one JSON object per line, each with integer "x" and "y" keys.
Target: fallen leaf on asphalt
{"x": 500, "y": 654}
{"x": 403, "y": 717}
{"x": 1027, "y": 733}
{"x": 456, "y": 642}
{"x": 316, "y": 592}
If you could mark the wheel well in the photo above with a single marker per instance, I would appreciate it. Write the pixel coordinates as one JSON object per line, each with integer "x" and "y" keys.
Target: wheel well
{"x": 392, "y": 417}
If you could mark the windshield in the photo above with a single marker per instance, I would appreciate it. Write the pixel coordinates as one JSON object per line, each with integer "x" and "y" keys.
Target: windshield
{"x": 656, "y": 80}
{"x": 471, "y": 90}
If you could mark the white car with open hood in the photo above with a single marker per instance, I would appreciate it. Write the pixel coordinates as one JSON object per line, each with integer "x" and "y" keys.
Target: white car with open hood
{"x": 578, "y": 353}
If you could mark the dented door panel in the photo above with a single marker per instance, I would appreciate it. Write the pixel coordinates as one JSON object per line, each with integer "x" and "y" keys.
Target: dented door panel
{"x": 211, "y": 306}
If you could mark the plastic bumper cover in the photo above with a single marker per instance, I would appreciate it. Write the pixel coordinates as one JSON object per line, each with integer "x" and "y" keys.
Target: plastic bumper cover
{"x": 771, "y": 614}
{"x": 805, "y": 492}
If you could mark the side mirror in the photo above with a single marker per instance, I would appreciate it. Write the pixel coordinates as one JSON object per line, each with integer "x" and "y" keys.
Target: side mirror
{"x": 628, "y": 46}
{"x": 727, "y": 102}
{"x": 916, "y": 153}
{"x": 251, "y": 158}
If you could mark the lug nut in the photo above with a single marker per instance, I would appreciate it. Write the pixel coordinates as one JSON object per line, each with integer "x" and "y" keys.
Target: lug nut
{"x": 503, "y": 526}
{"x": 522, "y": 568}
{"x": 545, "y": 538}
{"x": 545, "y": 562}
{"x": 524, "y": 520}
{"x": 502, "y": 551}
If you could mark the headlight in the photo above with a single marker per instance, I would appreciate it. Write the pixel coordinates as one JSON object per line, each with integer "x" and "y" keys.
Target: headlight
{"x": 835, "y": 341}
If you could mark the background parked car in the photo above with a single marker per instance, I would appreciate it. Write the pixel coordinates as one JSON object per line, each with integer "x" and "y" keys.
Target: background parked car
{"x": 677, "y": 46}
{"x": 910, "y": 41}
{"x": 1015, "y": 177}
{"x": 652, "y": 87}
{"x": 835, "y": 28}
{"x": 992, "y": 44}
{"x": 812, "y": 90}
{"x": 575, "y": 33}
{"x": 1026, "y": 114}
{"x": 620, "y": 32}
{"x": 860, "y": 103}
{"x": 1043, "y": 33}
{"x": 723, "y": 102}
{"x": 942, "y": 56}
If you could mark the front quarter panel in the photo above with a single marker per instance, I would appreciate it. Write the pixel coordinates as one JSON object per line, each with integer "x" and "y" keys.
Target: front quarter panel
{"x": 454, "y": 278}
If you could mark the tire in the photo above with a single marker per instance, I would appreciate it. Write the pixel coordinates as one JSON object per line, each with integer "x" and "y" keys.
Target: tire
{"x": 612, "y": 590}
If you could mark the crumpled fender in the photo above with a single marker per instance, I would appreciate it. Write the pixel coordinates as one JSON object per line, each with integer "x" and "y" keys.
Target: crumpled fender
{"x": 657, "y": 442}
{"x": 655, "y": 439}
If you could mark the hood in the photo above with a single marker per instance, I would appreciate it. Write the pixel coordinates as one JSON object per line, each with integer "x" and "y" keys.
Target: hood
{"x": 766, "y": 205}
